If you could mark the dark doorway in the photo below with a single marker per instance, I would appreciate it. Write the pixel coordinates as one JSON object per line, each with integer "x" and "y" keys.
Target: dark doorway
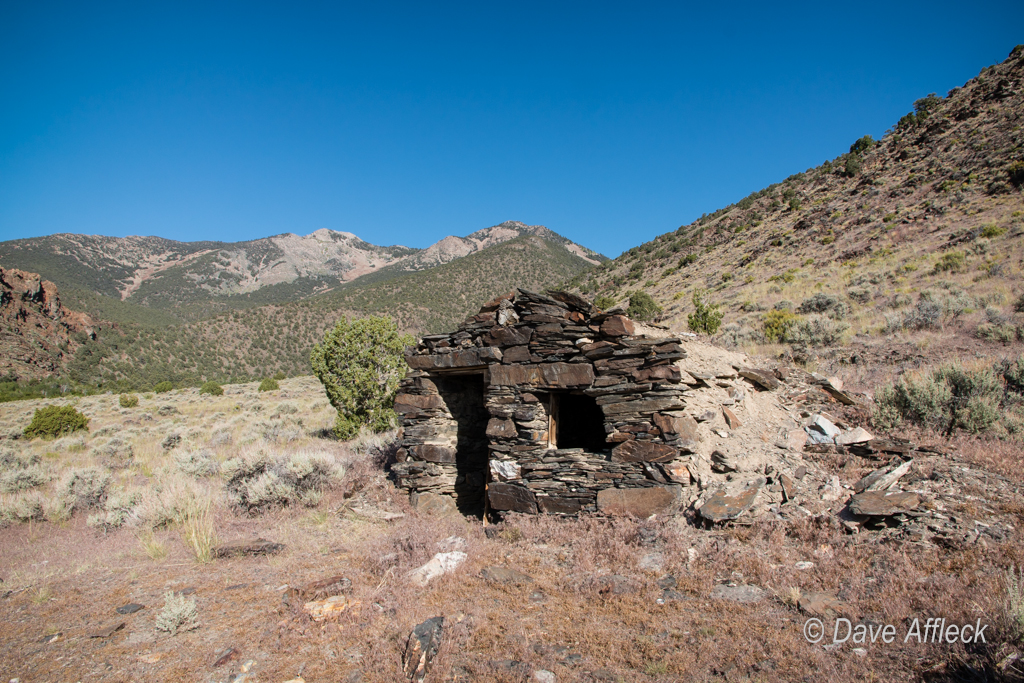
{"x": 578, "y": 422}
{"x": 464, "y": 396}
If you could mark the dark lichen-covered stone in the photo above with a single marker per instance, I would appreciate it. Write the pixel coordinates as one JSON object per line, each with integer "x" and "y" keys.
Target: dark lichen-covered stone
{"x": 464, "y": 358}
{"x": 511, "y": 498}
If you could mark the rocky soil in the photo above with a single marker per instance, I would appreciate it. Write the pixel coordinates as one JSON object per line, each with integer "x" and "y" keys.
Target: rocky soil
{"x": 360, "y": 586}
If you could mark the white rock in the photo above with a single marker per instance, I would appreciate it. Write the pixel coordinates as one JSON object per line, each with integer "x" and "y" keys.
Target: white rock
{"x": 824, "y": 426}
{"x": 542, "y": 676}
{"x": 439, "y": 565}
{"x": 505, "y": 470}
{"x": 802, "y": 566}
{"x": 858, "y": 435}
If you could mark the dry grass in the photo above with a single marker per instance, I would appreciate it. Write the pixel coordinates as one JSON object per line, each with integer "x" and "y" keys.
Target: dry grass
{"x": 574, "y": 619}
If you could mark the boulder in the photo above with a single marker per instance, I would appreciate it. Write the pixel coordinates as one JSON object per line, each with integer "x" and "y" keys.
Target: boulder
{"x": 722, "y": 507}
{"x": 433, "y": 453}
{"x": 858, "y": 435}
{"x": 501, "y": 429}
{"x": 512, "y": 498}
{"x": 762, "y": 378}
{"x": 880, "y": 504}
{"x": 618, "y": 326}
{"x": 439, "y": 565}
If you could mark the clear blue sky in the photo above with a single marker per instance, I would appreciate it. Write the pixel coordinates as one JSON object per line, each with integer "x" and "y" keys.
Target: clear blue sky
{"x": 406, "y": 122}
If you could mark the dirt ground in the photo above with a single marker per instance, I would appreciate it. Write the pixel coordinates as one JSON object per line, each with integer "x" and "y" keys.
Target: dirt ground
{"x": 591, "y": 599}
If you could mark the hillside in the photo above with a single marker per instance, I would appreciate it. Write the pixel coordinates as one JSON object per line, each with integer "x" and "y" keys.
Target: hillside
{"x": 260, "y": 341}
{"x": 192, "y": 280}
{"x": 37, "y": 333}
{"x": 921, "y": 231}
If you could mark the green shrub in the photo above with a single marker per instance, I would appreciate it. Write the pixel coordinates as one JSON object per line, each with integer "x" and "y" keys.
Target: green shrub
{"x": 163, "y": 387}
{"x": 279, "y": 375}
{"x": 992, "y": 230}
{"x": 179, "y": 614}
{"x": 1018, "y": 305}
{"x": 642, "y": 306}
{"x": 360, "y": 364}
{"x": 825, "y": 303}
{"x": 54, "y": 421}
{"x": 211, "y": 388}
{"x": 862, "y": 145}
{"x": 128, "y": 400}
{"x": 261, "y": 481}
{"x": 604, "y": 302}
{"x": 852, "y": 166}
{"x": 196, "y": 463}
{"x": 84, "y": 488}
{"x": 269, "y": 384}
{"x": 953, "y": 262}
{"x": 952, "y": 398}
{"x": 687, "y": 260}
{"x": 706, "y": 318}
{"x": 776, "y": 324}
{"x": 817, "y": 330}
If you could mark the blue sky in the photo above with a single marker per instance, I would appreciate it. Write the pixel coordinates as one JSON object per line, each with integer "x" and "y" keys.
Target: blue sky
{"x": 406, "y": 122}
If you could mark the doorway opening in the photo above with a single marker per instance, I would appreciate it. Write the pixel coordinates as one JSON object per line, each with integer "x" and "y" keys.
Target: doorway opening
{"x": 464, "y": 397}
{"x": 576, "y": 422}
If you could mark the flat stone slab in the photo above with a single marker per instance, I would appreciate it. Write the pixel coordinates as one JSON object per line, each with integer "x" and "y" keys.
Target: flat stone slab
{"x": 721, "y": 507}
{"x": 643, "y": 451}
{"x": 465, "y": 358}
{"x": 640, "y": 502}
{"x": 880, "y": 504}
{"x": 555, "y": 375}
{"x": 558, "y": 505}
{"x": 742, "y": 594}
{"x": 258, "y": 546}
{"x": 433, "y": 453}
{"x": 505, "y": 575}
{"x": 130, "y": 608}
{"x": 762, "y": 378}
{"x": 511, "y": 497}
{"x": 858, "y": 435}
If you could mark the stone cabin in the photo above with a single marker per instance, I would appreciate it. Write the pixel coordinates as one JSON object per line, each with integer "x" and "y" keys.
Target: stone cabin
{"x": 545, "y": 404}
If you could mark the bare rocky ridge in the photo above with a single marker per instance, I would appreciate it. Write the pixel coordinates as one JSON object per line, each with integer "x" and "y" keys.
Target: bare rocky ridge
{"x": 164, "y": 273}
{"x": 37, "y": 334}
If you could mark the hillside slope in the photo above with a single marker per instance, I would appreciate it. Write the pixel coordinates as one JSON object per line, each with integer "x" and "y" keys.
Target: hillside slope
{"x": 38, "y": 334}
{"x": 921, "y": 230}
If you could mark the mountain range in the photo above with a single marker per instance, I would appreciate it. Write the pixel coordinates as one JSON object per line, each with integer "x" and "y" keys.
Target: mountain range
{"x": 189, "y": 280}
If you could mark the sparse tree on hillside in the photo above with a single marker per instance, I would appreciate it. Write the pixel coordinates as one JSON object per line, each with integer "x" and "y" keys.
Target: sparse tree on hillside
{"x": 360, "y": 364}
